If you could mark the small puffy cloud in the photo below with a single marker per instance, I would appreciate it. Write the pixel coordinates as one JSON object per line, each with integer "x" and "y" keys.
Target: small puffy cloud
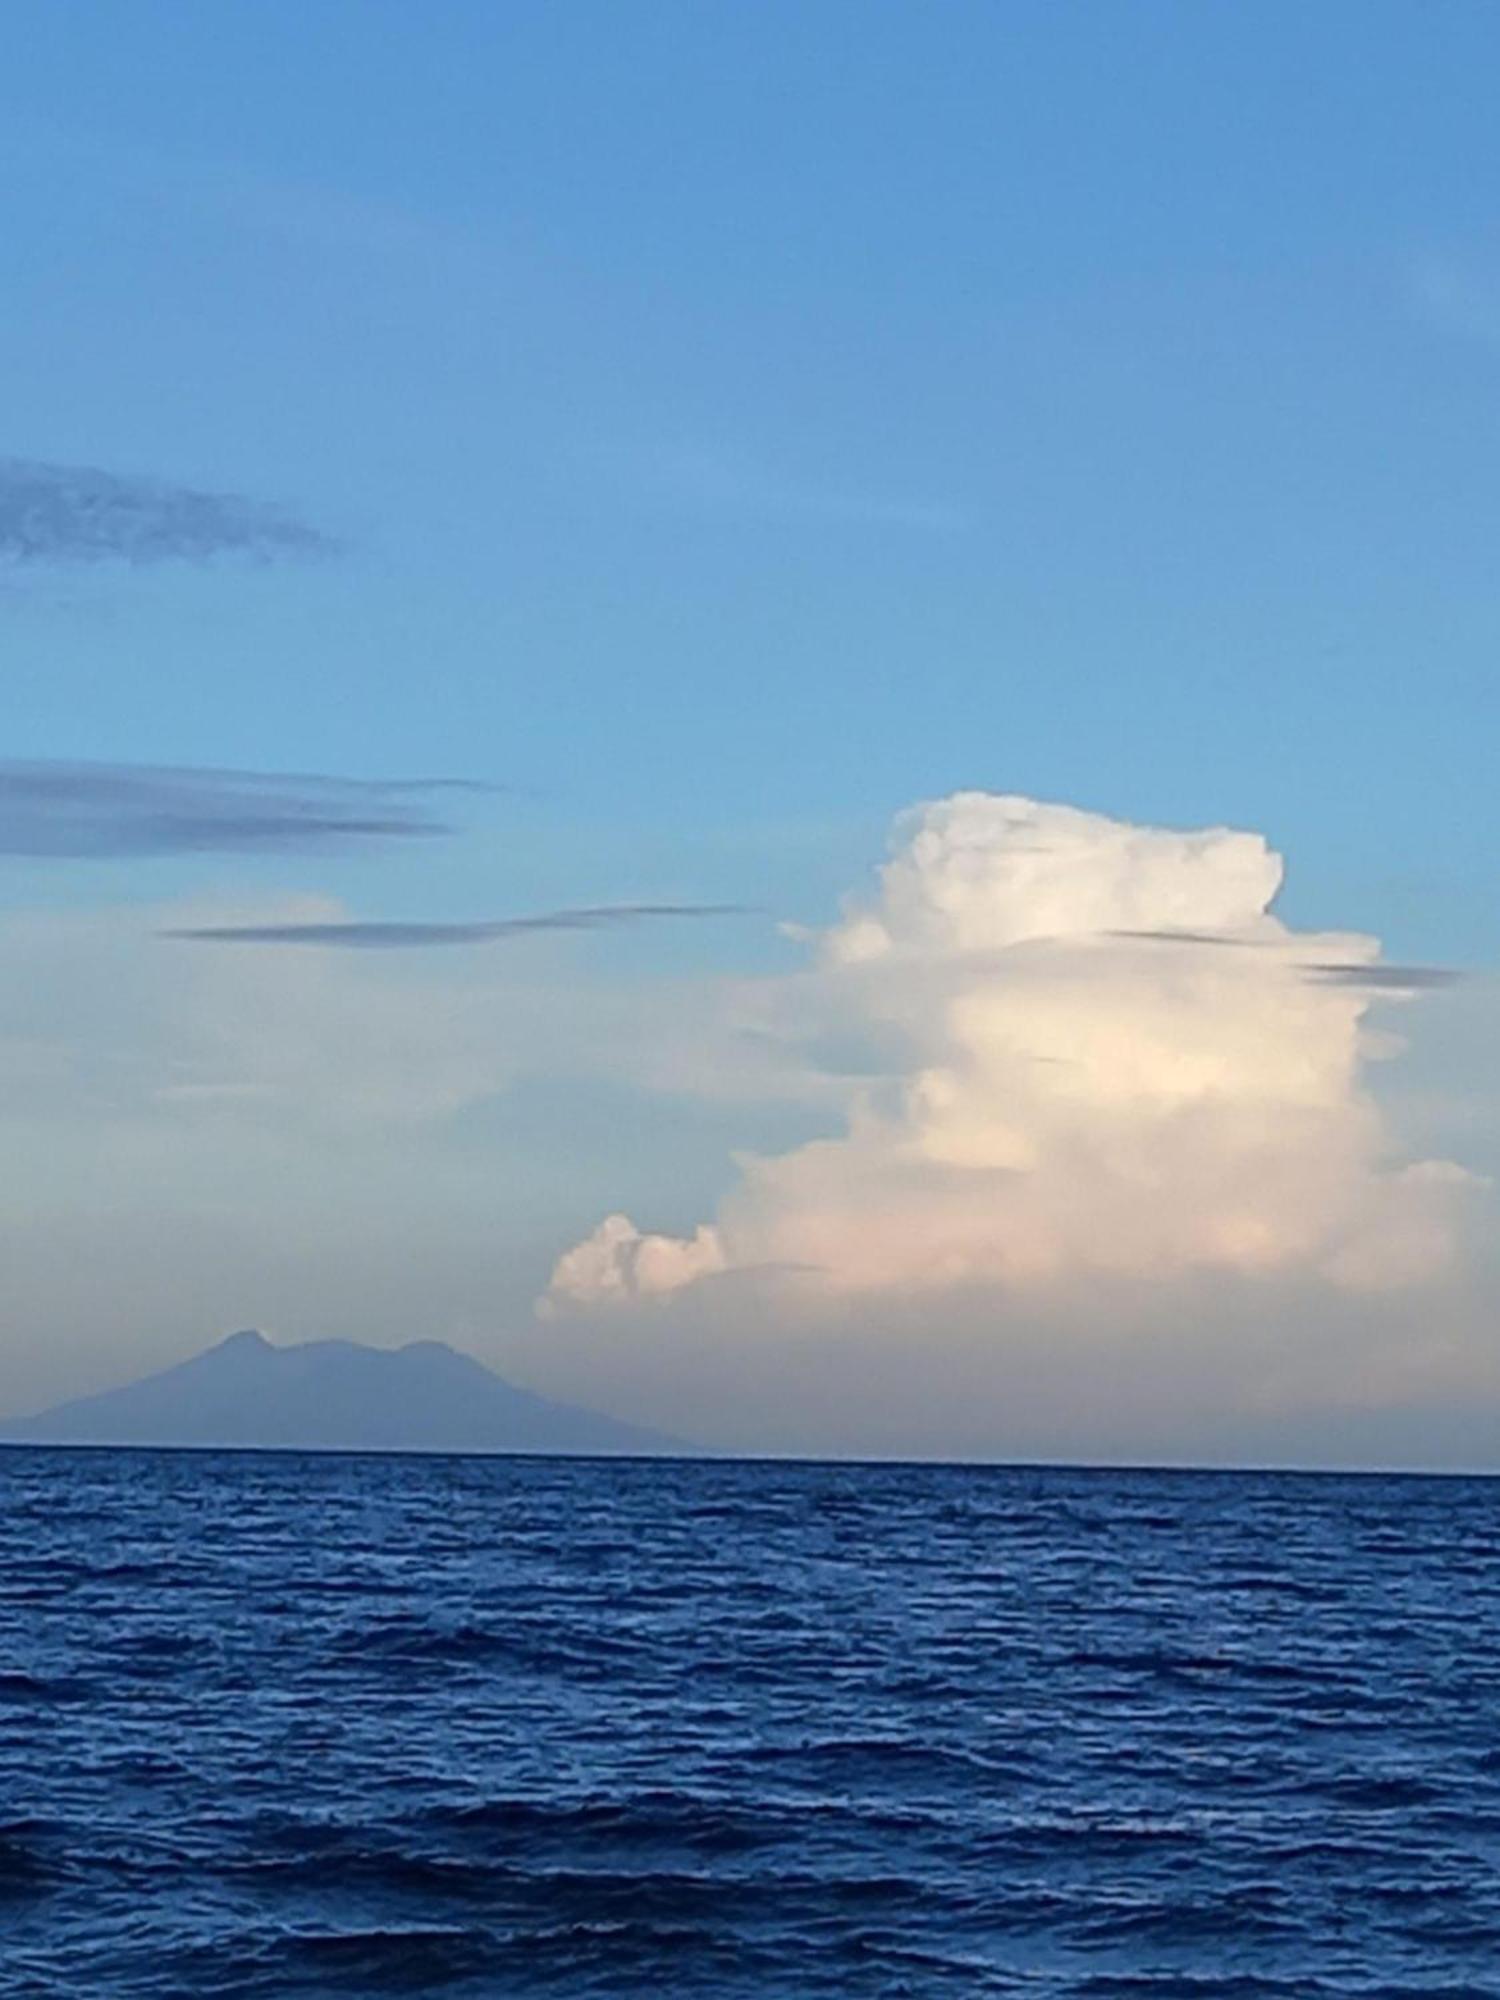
{"x": 53, "y": 810}
{"x": 78, "y": 514}
{"x": 1070, "y": 1102}
{"x": 619, "y": 1264}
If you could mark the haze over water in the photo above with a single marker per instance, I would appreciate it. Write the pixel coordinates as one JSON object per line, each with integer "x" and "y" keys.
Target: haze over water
{"x": 285, "y": 1725}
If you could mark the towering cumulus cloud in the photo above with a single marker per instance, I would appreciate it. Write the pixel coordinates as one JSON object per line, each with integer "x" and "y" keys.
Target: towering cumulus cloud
{"x": 1106, "y": 1058}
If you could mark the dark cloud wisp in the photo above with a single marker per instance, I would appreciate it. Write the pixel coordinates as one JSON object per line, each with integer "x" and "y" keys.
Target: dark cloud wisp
{"x": 1389, "y": 978}
{"x": 1214, "y": 938}
{"x": 78, "y": 514}
{"x": 1377, "y": 978}
{"x": 405, "y": 936}
{"x": 77, "y": 811}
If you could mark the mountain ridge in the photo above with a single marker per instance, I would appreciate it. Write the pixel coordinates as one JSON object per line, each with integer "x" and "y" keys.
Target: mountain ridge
{"x": 245, "y": 1392}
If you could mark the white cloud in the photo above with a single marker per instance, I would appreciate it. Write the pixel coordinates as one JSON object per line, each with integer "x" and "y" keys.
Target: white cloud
{"x": 1114, "y": 1062}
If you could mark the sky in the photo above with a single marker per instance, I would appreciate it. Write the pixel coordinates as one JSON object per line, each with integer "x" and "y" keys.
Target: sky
{"x": 784, "y": 716}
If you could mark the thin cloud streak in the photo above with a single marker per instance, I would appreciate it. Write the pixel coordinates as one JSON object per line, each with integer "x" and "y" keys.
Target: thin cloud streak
{"x": 86, "y": 811}
{"x": 80, "y": 514}
{"x": 356, "y": 936}
{"x": 1392, "y": 978}
{"x": 1189, "y": 937}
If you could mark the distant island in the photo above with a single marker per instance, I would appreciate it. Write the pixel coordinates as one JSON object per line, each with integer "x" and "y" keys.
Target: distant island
{"x": 334, "y": 1395}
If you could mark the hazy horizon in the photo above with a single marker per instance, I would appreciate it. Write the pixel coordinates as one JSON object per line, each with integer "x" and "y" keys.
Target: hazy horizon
{"x": 14, "y": 1434}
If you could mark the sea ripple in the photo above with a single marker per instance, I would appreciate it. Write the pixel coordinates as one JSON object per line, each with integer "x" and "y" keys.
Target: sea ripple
{"x": 282, "y": 1726}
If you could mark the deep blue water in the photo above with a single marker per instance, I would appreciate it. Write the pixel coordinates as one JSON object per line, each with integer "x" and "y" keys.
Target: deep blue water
{"x": 282, "y": 1726}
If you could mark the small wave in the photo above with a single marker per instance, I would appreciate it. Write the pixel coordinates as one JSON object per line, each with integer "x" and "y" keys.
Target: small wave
{"x": 21, "y": 1688}
{"x": 1377, "y": 1793}
{"x": 1206, "y": 1986}
{"x": 656, "y": 1816}
{"x": 1239, "y": 1917}
{"x": 378, "y": 1959}
{"x": 888, "y": 1754}
{"x": 26, "y": 1869}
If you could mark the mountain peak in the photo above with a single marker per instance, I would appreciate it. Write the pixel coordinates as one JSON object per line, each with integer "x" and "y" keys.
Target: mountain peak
{"x": 247, "y": 1338}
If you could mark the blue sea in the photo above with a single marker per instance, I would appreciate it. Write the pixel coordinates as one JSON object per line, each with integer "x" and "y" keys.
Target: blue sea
{"x": 286, "y": 1725}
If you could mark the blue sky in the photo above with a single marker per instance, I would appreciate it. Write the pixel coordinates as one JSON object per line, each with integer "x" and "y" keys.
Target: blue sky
{"x": 735, "y": 425}
{"x": 746, "y": 420}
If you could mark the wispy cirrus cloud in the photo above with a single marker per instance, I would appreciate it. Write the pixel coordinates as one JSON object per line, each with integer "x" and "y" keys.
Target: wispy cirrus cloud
{"x": 719, "y": 479}
{"x": 355, "y": 936}
{"x": 71, "y": 514}
{"x": 55, "y": 810}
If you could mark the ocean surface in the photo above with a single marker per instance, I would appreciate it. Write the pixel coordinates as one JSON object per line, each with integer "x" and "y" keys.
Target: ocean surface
{"x": 280, "y": 1725}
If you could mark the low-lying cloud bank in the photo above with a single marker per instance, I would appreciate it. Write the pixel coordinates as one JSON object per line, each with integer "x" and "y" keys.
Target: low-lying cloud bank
{"x": 1111, "y": 1063}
